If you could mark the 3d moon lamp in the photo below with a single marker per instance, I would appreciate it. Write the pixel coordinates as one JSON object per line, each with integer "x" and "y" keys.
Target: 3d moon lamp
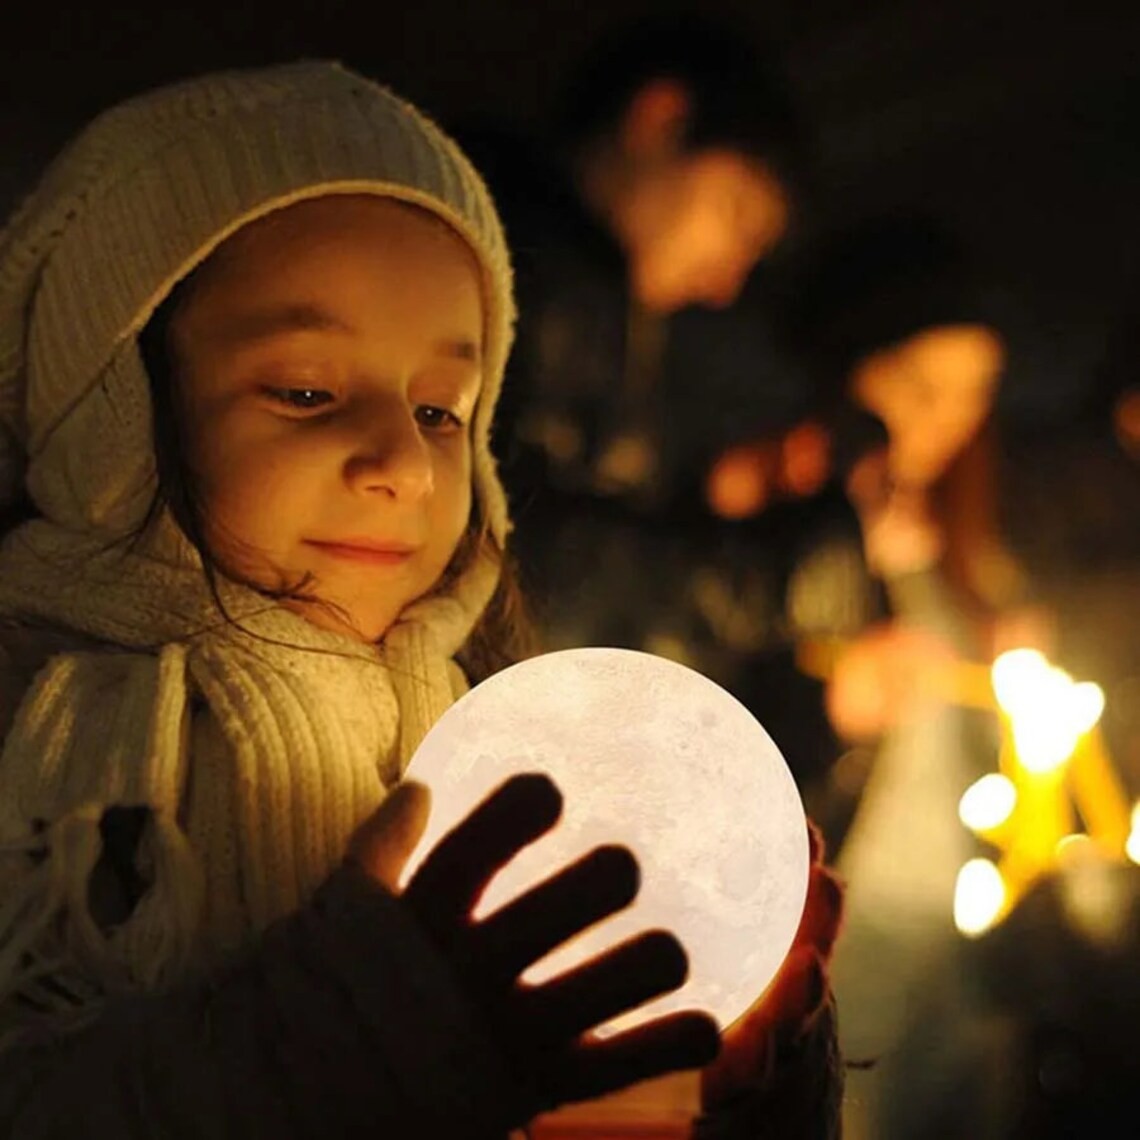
{"x": 653, "y": 755}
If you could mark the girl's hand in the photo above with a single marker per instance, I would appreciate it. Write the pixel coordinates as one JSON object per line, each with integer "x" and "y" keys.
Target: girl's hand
{"x": 543, "y": 1030}
{"x": 779, "y": 1073}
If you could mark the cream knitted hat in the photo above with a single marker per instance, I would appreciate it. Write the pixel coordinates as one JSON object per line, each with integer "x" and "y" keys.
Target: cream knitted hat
{"x": 138, "y": 200}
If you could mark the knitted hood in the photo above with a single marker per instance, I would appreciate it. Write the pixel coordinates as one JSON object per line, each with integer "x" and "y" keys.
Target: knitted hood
{"x": 143, "y": 196}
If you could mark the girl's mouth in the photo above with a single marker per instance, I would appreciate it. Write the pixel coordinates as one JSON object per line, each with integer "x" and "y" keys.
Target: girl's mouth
{"x": 373, "y": 554}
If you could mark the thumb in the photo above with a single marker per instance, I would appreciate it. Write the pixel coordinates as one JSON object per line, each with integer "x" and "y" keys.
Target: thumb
{"x": 386, "y": 839}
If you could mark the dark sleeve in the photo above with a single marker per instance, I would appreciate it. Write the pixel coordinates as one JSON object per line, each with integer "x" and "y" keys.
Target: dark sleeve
{"x": 343, "y": 1022}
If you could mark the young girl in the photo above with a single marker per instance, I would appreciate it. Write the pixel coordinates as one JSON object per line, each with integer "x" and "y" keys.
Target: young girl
{"x": 252, "y": 332}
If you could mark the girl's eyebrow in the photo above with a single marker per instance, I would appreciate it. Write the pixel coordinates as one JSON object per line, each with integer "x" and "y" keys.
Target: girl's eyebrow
{"x": 264, "y": 324}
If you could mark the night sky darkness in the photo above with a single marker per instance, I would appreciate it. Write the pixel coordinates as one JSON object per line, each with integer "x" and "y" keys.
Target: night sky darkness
{"x": 1018, "y": 120}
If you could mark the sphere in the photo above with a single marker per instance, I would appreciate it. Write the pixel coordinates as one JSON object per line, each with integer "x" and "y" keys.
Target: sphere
{"x": 655, "y": 756}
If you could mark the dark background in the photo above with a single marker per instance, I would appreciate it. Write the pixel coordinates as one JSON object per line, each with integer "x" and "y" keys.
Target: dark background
{"x": 1019, "y": 121}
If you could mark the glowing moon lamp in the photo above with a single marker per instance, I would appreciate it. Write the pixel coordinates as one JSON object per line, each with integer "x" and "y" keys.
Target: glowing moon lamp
{"x": 653, "y": 755}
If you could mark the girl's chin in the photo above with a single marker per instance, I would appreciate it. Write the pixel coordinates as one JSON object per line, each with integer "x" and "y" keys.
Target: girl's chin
{"x": 366, "y": 623}
{"x": 336, "y": 619}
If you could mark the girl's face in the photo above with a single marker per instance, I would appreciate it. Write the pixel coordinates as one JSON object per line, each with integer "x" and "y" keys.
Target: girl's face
{"x": 932, "y": 392}
{"x": 328, "y": 359}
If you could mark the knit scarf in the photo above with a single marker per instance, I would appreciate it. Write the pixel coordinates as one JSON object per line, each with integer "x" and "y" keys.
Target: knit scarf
{"x": 258, "y": 744}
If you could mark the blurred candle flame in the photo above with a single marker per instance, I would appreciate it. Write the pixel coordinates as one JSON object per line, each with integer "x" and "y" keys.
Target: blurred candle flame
{"x": 988, "y": 802}
{"x": 1048, "y": 711}
{"x": 979, "y": 896}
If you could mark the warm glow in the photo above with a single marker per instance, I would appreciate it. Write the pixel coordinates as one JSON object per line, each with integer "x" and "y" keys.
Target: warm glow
{"x": 987, "y": 803}
{"x": 651, "y": 754}
{"x": 1132, "y": 845}
{"x": 1016, "y": 676}
{"x": 1047, "y": 710}
{"x": 978, "y": 897}
{"x": 1043, "y": 747}
{"x": 1055, "y": 778}
{"x": 1088, "y": 704}
{"x": 1070, "y": 847}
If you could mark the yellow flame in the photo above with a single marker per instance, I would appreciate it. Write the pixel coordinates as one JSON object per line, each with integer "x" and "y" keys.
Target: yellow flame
{"x": 1132, "y": 844}
{"x": 1047, "y": 710}
{"x": 987, "y": 803}
{"x": 1087, "y": 704}
{"x": 979, "y": 896}
{"x": 1043, "y": 747}
{"x": 1015, "y": 677}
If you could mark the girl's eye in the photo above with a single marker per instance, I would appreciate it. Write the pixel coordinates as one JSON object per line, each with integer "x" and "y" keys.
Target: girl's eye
{"x": 301, "y": 399}
{"x": 437, "y": 419}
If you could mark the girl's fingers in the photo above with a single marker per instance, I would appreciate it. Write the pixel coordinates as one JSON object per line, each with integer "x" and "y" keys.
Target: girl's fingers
{"x": 789, "y": 1007}
{"x": 447, "y": 886}
{"x": 815, "y": 843}
{"x": 525, "y": 930}
{"x": 787, "y": 1001}
{"x": 590, "y": 995}
{"x": 383, "y": 843}
{"x": 595, "y": 1067}
{"x": 793, "y": 1005}
{"x": 823, "y": 912}
{"x": 796, "y": 995}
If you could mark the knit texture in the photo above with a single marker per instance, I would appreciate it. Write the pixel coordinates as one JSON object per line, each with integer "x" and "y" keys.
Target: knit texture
{"x": 257, "y": 745}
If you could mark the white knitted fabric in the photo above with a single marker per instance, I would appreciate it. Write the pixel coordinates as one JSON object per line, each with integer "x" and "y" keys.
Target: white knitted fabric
{"x": 258, "y": 746}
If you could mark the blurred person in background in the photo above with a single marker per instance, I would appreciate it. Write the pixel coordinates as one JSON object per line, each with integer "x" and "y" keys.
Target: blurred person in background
{"x": 882, "y": 491}
{"x": 982, "y": 534}
{"x": 990, "y": 532}
{"x": 666, "y": 175}
{"x": 906, "y": 350}
{"x": 651, "y": 230}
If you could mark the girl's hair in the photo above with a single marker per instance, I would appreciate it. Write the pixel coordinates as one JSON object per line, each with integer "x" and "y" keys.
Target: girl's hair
{"x": 20, "y": 510}
{"x": 504, "y": 632}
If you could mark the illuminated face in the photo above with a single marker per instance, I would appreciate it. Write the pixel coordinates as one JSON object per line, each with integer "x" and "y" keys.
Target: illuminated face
{"x": 932, "y": 392}
{"x": 697, "y": 227}
{"x": 328, "y": 362}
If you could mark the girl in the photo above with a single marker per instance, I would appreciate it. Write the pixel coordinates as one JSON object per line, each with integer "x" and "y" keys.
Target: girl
{"x": 252, "y": 331}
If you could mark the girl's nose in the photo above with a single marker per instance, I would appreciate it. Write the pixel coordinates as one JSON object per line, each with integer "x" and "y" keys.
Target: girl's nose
{"x": 392, "y": 458}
